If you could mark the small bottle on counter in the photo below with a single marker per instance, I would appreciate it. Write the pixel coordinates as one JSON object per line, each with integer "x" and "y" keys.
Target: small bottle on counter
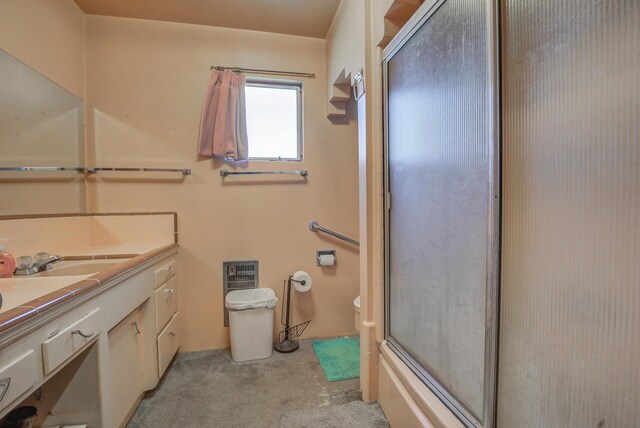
{"x": 7, "y": 263}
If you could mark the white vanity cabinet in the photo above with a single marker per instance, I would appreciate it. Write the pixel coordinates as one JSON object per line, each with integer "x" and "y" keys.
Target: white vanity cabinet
{"x": 168, "y": 343}
{"x": 90, "y": 359}
{"x": 125, "y": 367}
{"x": 18, "y": 376}
{"x": 166, "y": 301}
{"x": 144, "y": 343}
{"x": 64, "y": 343}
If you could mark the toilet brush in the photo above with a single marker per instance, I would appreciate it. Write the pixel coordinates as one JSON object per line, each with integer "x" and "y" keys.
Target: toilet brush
{"x": 287, "y": 338}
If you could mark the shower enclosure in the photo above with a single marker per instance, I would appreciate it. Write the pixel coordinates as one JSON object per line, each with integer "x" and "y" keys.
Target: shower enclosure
{"x": 527, "y": 182}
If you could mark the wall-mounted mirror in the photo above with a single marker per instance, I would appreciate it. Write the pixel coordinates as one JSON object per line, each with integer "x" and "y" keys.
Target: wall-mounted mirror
{"x": 41, "y": 125}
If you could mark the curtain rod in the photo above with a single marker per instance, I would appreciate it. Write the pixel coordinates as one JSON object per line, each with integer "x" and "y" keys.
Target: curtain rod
{"x": 259, "y": 71}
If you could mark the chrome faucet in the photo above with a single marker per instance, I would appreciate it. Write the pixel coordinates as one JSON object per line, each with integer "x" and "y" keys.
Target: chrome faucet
{"x": 26, "y": 265}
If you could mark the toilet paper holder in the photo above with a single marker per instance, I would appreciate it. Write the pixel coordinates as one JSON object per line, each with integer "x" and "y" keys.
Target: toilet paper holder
{"x": 325, "y": 253}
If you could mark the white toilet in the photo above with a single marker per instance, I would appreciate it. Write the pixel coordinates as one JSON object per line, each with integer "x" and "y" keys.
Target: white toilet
{"x": 356, "y": 309}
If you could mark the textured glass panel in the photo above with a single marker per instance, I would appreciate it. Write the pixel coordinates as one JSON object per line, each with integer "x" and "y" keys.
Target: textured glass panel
{"x": 439, "y": 182}
{"x": 570, "y": 320}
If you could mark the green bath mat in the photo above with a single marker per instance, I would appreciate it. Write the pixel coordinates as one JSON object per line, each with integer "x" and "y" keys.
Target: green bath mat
{"x": 339, "y": 358}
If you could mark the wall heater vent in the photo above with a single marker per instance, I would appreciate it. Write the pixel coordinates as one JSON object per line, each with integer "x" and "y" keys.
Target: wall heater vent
{"x": 238, "y": 275}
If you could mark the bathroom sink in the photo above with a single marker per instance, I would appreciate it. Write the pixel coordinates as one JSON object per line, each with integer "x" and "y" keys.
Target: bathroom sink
{"x": 77, "y": 267}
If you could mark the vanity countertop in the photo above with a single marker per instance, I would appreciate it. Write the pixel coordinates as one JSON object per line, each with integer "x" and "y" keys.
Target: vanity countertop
{"x": 24, "y": 298}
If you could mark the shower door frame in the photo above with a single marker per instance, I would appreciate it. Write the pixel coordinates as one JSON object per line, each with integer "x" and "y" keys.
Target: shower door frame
{"x": 422, "y": 15}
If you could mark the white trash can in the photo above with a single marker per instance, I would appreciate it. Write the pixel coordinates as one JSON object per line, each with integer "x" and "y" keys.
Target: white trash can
{"x": 251, "y": 323}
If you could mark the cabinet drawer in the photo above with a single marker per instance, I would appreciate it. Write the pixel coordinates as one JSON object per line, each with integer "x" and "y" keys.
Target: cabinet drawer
{"x": 69, "y": 340}
{"x": 166, "y": 303}
{"x": 168, "y": 343}
{"x": 164, "y": 273}
{"x": 17, "y": 377}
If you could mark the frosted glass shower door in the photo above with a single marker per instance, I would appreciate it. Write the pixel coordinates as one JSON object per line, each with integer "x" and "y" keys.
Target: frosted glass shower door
{"x": 441, "y": 216}
{"x": 570, "y": 294}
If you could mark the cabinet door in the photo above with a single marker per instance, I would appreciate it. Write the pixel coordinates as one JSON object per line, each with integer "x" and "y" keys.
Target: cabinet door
{"x": 125, "y": 367}
{"x": 168, "y": 344}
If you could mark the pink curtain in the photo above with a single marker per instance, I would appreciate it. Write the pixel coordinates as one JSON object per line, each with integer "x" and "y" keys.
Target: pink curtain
{"x": 223, "y": 126}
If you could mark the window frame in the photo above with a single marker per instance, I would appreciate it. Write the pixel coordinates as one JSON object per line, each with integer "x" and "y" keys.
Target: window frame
{"x": 262, "y": 82}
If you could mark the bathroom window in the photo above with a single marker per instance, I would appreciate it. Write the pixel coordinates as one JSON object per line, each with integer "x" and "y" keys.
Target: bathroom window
{"x": 274, "y": 120}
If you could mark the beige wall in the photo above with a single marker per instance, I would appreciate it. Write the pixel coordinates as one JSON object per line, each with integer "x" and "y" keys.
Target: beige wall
{"x": 370, "y": 162}
{"x": 345, "y": 40}
{"x": 374, "y": 162}
{"x": 87, "y": 234}
{"x": 145, "y": 82}
{"x": 349, "y": 48}
{"x": 48, "y": 36}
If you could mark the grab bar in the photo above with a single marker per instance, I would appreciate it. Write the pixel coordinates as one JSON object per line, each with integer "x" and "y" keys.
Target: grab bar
{"x": 224, "y": 173}
{"x": 314, "y": 226}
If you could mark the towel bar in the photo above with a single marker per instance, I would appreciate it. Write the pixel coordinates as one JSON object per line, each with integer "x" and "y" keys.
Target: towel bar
{"x": 183, "y": 171}
{"x": 301, "y": 173}
{"x": 93, "y": 170}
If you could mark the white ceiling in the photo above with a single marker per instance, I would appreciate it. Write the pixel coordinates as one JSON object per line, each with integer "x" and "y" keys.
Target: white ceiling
{"x": 310, "y": 18}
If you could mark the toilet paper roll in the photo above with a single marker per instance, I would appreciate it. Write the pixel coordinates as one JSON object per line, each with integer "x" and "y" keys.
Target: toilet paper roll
{"x": 327, "y": 260}
{"x": 302, "y": 276}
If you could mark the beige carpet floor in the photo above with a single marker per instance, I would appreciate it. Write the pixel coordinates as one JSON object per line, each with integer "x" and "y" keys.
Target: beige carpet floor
{"x": 208, "y": 389}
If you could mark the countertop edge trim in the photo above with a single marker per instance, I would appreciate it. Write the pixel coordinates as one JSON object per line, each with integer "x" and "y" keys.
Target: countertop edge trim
{"x": 35, "y": 310}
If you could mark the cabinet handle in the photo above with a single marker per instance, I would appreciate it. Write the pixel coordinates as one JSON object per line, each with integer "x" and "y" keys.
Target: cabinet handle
{"x": 4, "y": 384}
{"x": 170, "y": 291}
{"x": 135, "y": 324}
{"x": 86, "y": 336}
{"x": 171, "y": 333}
